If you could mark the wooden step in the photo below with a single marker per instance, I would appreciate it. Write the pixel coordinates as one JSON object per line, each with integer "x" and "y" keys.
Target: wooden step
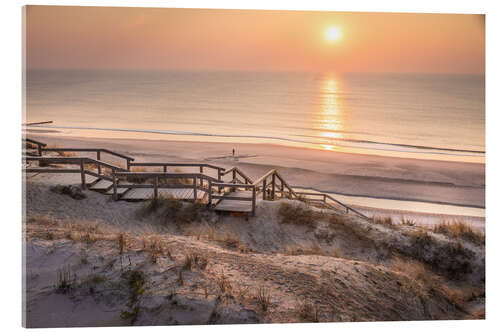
{"x": 235, "y": 205}
{"x": 119, "y": 190}
{"x": 90, "y": 180}
{"x": 101, "y": 185}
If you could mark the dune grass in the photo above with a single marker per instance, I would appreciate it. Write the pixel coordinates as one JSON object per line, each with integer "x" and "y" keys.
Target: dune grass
{"x": 171, "y": 210}
{"x": 298, "y": 215}
{"x": 460, "y": 230}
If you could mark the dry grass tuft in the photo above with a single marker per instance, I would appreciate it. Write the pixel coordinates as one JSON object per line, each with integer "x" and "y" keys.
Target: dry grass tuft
{"x": 413, "y": 269}
{"x": 298, "y": 215}
{"x": 263, "y": 298}
{"x": 122, "y": 242}
{"x": 193, "y": 259}
{"x": 228, "y": 238}
{"x": 308, "y": 311}
{"x": 387, "y": 220}
{"x": 460, "y": 230}
{"x": 448, "y": 257}
{"x": 314, "y": 249}
{"x": 408, "y": 222}
{"x": 224, "y": 284}
{"x": 43, "y": 220}
{"x": 171, "y": 210}
{"x": 180, "y": 279}
{"x": 65, "y": 281}
{"x": 156, "y": 248}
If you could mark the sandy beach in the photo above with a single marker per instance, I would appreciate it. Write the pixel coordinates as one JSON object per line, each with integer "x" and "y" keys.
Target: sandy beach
{"x": 428, "y": 181}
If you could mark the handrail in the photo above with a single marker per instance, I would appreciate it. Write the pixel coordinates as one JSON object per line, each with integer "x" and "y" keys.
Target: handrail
{"x": 72, "y": 160}
{"x": 348, "y": 208}
{"x": 156, "y": 176}
{"x": 35, "y": 142}
{"x": 236, "y": 170}
{"x": 167, "y": 164}
{"x": 275, "y": 174}
{"x": 261, "y": 179}
{"x": 325, "y": 196}
{"x": 164, "y": 175}
{"x": 39, "y": 145}
{"x": 233, "y": 185}
{"x": 93, "y": 150}
{"x": 290, "y": 189}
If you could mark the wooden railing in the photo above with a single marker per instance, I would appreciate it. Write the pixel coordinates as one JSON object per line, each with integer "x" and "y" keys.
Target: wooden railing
{"x": 235, "y": 173}
{"x": 323, "y": 200}
{"x": 80, "y": 161}
{"x": 196, "y": 180}
{"x": 98, "y": 152}
{"x": 39, "y": 145}
{"x": 274, "y": 175}
{"x": 165, "y": 166}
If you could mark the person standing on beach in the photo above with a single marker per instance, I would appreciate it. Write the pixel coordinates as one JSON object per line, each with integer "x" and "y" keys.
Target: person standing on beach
{"x": 233, "y": 152}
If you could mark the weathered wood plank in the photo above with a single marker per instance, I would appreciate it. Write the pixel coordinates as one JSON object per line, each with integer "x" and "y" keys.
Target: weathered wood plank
{"x": 239, "y": 201}
{"x": 102, "y": 184}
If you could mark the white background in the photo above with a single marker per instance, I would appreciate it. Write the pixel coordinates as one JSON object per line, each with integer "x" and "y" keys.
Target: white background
{"x": 10, "y": 188}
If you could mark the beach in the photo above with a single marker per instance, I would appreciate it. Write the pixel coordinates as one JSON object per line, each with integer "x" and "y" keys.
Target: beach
{"x": 458, "y": 185}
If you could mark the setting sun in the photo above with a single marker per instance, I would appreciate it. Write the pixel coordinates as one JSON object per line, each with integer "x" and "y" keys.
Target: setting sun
{"x": 333, "y": 34}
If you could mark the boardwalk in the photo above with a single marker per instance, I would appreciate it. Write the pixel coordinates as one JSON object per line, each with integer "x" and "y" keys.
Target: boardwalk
{"x": 239, "y": 194}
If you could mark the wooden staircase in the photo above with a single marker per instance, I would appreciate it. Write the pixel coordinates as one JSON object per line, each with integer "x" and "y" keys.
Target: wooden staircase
{"x": 239, "y": 194}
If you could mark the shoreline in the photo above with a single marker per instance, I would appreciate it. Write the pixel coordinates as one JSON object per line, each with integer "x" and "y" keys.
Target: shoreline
{"x": 428, "y": 153}
{"x": 356, "y": 175}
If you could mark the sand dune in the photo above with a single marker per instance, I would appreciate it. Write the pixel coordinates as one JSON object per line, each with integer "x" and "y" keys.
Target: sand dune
{"x": 225, "y": 269}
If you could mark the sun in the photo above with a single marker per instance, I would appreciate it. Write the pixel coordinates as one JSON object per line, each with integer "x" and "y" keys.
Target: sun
{"x": 332, "y": 34}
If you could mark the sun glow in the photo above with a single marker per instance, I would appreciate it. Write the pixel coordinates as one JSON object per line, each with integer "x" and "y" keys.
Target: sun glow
{"x": 333, "y": 34}
{"x": 330, "y": 118}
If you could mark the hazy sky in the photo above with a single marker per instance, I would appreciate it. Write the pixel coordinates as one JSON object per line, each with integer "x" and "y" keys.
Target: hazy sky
{"x": 192, "y": 39}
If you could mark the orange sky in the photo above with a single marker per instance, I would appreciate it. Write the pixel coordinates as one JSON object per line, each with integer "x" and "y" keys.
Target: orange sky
{"x": 201, "y": 39}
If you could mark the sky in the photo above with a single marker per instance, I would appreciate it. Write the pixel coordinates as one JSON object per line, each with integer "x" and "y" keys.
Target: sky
{"x": 60, "y": 37}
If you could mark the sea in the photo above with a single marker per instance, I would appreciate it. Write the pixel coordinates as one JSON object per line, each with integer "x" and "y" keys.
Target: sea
{"x": 431, "y": 116}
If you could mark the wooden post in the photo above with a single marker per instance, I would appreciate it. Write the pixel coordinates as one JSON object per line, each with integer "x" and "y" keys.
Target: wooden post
{"x": 155, "y": 191}
{"x": 324, "y": 198}
{"x": 165, "y": 169}
{"x": 39, "y": 150}
{"x": 282, "y": 188}
{"x": 82, "y": 171}
{"x": 219, "y": 178}
{"x": 234, "y": 176}
{"x": 195, "y": 185}
{"x": 273, "y": 186}
{"x": 264, "y": 185}
{"x": 209, "y": 192}
{"x": 115, "y": 193}
{"x": 128, "y": 164}
{"x": 201, "y": 169}
{"x": 253, "y": 200}
{"x": 98, "y": 165}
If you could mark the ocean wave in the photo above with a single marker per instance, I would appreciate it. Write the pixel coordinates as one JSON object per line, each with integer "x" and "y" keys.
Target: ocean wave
{"x": 352, "y": 143}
